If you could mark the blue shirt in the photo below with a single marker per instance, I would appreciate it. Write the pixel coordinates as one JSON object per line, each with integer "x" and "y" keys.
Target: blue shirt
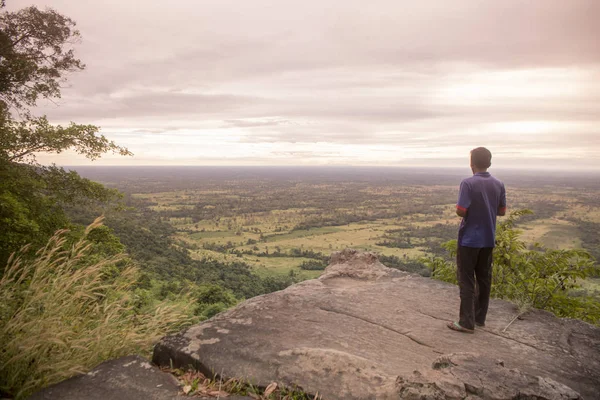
{"x": 481, "y": 196}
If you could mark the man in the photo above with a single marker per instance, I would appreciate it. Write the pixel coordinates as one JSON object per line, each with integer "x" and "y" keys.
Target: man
{"x": 481, "y": 198}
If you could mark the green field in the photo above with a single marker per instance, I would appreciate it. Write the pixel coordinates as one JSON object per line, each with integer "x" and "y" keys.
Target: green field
{"x": 251, "y": 220}
{"x": 552, "y": 233}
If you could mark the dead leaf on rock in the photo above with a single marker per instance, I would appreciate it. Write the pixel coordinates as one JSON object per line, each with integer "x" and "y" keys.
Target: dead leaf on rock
{"x": 270, "y": 389}
{"x": 217, "y": 393}
{"x": 187, "y": 389}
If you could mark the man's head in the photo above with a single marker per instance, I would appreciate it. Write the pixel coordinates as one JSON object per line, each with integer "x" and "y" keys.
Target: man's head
{"x": 481, "y": 159}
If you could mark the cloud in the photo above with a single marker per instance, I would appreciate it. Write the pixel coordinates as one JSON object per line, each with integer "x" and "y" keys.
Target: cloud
{"x": 239, "y": 123}
{"x": 155, "y": 103}
{"x": 253, "y": 80}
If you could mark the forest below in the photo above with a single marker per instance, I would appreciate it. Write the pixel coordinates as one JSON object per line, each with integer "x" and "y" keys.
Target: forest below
{"x": 280, "y": 226}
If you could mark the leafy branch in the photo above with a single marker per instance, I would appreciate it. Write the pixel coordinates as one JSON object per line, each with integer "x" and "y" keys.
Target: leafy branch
{"x": 540, "y": 278}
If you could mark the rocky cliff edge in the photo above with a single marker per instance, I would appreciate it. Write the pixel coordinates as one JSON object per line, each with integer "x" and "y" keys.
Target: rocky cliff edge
{"x": 365, "y": 331}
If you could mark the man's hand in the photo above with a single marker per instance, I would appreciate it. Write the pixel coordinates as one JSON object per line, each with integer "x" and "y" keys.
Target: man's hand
{"x": 461, "y": 212}
{"x": 502, "y": 211}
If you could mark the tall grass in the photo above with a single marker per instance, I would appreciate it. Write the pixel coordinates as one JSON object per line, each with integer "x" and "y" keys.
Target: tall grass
{"x": 61, "y": 314}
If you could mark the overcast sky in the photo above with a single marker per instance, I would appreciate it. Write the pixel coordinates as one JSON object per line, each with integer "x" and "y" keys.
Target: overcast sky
{"x": 247, "y": 82}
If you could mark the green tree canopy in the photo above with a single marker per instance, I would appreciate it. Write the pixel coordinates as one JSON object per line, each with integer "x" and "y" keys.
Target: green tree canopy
{"x": 36, "y": 55}
{"x": 20, "y": 140}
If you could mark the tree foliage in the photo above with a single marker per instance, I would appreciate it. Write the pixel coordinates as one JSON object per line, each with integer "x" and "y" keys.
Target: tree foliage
{"x": 20, "y": 140}
{"x": 32, "y": 201}
{"x": 212, "y": 299}
{"x": 36, "y": 55}
{"x": 539, "y": 278}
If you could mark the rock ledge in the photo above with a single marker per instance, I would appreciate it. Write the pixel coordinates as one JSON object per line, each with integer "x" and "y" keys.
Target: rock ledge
{"x": 365, "y": 331}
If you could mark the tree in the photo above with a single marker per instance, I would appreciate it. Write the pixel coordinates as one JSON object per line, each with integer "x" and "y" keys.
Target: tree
{"x": 36, "y": 55}
{"x": 20, "y": 140}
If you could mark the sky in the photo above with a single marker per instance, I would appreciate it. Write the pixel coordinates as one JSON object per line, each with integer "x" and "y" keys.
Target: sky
{"x": 406, "y": 83}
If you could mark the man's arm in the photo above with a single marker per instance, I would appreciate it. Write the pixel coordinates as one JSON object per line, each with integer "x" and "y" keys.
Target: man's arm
{"x": 502, "y": 205}
{"x": 464, "y": 199}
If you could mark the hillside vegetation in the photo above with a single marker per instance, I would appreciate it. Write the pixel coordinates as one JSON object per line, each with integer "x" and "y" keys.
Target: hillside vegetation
{"x": 75, "y": 296}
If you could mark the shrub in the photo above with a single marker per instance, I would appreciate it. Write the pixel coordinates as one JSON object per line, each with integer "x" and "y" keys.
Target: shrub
{"x": 313, "y": 265}
{"x": 213, "y": 299}
{"x": 207, "y": 311}
{"x": 61, "y": 315}
{"x": 540, "y": 278}
{"x": 211, "y": 294}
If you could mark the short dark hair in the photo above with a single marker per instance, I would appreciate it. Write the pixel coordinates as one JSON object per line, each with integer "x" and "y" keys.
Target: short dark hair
{"x": 481, "y": 157}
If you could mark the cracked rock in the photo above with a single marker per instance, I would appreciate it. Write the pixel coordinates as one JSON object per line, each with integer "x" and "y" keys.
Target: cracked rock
{"x": 456, "y": 376}
{"x": 361, "y": 331}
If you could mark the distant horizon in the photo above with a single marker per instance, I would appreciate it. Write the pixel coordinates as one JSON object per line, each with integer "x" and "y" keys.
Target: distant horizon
{"x": 500, "y": 160}
{"x": 457, "y": 168}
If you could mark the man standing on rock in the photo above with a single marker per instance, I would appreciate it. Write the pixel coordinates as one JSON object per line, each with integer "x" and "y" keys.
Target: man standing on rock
{"x": 481, "y": 198}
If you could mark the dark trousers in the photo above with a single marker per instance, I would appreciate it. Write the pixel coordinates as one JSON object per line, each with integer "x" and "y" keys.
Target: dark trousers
{"x": 475, "y": 283}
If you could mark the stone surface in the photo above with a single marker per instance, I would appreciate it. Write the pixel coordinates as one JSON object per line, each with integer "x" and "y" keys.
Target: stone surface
{"x": 126, "y": 378}
{"x": 361, "y": 331}
{"x": 463, "y": 375}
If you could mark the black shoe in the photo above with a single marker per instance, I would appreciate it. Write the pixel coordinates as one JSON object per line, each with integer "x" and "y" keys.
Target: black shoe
{"x": 479, "y": 325}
